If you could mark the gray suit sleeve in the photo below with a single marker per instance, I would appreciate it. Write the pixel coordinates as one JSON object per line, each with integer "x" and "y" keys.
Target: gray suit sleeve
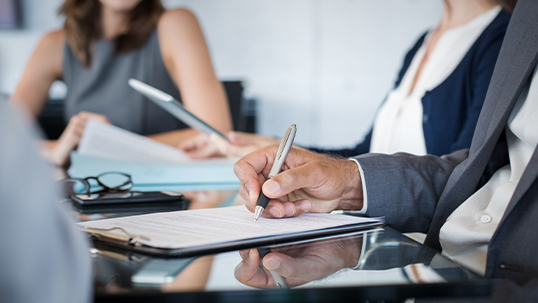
{"x": 43, "y": 258}
{"x": 405, "y": 188}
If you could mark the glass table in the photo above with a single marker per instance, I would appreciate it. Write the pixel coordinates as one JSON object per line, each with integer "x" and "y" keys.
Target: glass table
{"x": 381, "y": 264}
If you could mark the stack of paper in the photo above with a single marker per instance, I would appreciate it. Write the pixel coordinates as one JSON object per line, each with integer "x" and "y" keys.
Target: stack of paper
{"x": 105, "y": 147}
{"x": 195, "y": 231}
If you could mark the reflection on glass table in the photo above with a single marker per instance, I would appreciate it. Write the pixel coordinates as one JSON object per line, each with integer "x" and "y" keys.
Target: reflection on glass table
{"x": 380, "y": 265}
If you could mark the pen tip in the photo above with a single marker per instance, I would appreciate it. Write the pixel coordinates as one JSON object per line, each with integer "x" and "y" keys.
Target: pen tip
{"x": 257, "y": 212}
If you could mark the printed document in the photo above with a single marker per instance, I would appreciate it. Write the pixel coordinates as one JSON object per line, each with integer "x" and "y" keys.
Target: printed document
{"x": 109, "y": 141}
{"x": 198, "y": 228}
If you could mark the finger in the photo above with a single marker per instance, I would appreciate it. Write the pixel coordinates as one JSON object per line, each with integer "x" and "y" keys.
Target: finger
{"x": 275, "y": 209}
{"x": 186, "y": 146}
{"x": 250, "y": 272}
{"x": 278, "y": 209}
{"x": 244, "y": 253}
{"x": 250, "y": 167}
{"x": 302, "y": 207}
{"x": 206, "y": 151}
{"x": 251, "y": 191}
{"x": 249, "y": 205}
{"x": 231, "y": 149}
{"x": 196, "y": 142}
{"x": 239, "y": 138}
{"x": 249, "y": 265}
{"x": 225, "y": 147}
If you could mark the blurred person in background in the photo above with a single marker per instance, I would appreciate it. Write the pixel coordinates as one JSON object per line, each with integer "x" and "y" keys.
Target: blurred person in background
{"x": 103, "y": 44}
{"x": 434, "y": 105}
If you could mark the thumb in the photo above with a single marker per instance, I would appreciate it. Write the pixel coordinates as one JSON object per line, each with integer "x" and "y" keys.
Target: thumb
{"x": 304, "y": 176}
{"x": 288, "y": 266}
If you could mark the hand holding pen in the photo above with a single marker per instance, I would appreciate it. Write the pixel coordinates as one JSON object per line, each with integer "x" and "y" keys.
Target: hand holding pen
{"x": 281, "y": 154}
{"x": 309, "y": 182}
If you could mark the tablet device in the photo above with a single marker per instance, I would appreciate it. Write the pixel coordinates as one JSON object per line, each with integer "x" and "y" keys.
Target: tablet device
{"x": 171, "y": 105}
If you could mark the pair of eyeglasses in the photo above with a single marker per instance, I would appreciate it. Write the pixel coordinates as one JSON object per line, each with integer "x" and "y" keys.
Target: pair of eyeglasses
{"x": 111, "y": 182}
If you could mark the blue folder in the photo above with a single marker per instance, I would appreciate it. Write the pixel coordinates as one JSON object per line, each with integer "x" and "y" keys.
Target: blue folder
{"x": 143, "y": 174}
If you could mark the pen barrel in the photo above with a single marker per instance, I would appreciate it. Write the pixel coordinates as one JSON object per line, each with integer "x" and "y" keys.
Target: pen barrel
{"x": 262, "y": 200}
{"x": 263, "y": 251}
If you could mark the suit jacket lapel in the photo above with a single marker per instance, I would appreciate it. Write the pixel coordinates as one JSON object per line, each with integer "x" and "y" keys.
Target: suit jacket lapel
{"x": 516, "y": 62}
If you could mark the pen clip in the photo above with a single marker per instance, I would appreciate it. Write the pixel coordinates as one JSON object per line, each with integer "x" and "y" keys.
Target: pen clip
{"x": 283, "y": 149}
{"x": 284, "y": 142}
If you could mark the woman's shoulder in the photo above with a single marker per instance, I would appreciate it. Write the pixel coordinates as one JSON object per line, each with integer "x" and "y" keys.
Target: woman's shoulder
{"x": 52, "y": 43}
{"x": 56, "y": 37}
{"x": 181, "y": 17}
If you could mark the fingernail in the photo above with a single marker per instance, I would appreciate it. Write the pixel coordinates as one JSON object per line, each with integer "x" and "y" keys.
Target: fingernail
{"x": 271, "y": 263}
{"x": 251, "y": 253}
{"x": 289, "y": 210}
{"x": 305, "y": 205}
{"x": 275, "y": 212}
{"x": 272, "y": 187}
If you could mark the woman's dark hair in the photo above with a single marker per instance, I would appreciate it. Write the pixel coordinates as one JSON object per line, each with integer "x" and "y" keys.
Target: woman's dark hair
{"x": 83, "y": 26}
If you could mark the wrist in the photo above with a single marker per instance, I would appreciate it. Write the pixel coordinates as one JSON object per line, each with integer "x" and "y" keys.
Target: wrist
{"x": 353, "y": 249}
{"x": 352, "y": 196}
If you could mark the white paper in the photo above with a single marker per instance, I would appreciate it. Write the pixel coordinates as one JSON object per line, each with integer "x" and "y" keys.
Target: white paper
{"x": 108, "y": 141}
{"x": 192, "y": 228}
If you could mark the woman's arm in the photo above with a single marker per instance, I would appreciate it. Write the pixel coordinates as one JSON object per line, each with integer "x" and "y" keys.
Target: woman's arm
{"x": 188, "y": 62}
{"x": 44, "y": 67}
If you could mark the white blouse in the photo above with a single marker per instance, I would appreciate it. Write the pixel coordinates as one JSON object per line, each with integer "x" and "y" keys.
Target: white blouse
{"x": 398, "y": 124}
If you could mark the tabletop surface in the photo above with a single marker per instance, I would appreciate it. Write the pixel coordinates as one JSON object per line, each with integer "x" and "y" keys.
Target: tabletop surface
{"x": 391, "y": 267}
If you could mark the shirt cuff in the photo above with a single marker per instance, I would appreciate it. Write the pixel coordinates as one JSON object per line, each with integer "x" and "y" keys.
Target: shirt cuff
{"x": 363, "y": 250}
{"x": 364, "y": 192}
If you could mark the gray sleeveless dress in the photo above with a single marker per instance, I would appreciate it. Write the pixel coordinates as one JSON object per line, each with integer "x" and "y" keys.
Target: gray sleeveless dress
{"x": 102, "y": 88}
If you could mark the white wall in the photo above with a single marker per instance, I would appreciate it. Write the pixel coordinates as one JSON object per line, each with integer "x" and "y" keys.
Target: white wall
{"x": 323, "y": 64}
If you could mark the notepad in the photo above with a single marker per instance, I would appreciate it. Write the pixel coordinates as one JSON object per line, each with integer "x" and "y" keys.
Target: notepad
{"x": 218, "y": 229}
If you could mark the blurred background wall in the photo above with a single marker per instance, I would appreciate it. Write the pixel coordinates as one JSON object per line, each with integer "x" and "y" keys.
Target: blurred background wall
{"x": 325, "y": 65}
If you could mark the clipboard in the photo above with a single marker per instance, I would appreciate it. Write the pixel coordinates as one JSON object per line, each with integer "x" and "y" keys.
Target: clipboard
{"x": 172, "y": 106}
{"x": 189, "y": 233}
{"x": 131, "y": 242}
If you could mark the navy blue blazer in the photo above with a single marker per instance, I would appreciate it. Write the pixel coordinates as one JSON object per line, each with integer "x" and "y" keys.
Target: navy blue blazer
{"x": 451, "y": 109}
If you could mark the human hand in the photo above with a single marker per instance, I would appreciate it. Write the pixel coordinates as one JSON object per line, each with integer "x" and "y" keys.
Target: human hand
{"x": 71, "y": 136}
{"x": 309, "y": 182}
{"x": 239, "y": 145}
{"x": 200, "y": 146}
{"x": 298, "y": 264}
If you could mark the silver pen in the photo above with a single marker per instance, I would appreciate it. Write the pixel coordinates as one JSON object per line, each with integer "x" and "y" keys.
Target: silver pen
{"x": 281, "y": 154}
